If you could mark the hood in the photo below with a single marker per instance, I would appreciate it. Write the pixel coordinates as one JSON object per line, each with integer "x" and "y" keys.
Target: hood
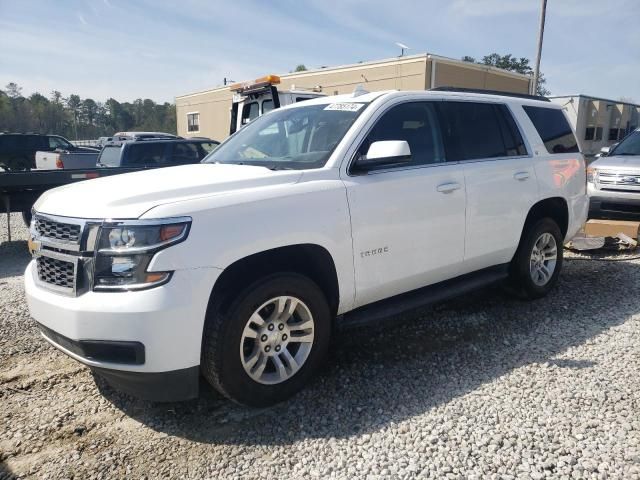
{"x": 129, "y": 195}
{"x": 627, "y": 163}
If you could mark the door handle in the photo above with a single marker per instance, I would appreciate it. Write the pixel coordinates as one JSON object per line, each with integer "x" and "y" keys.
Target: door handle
{"x": 448, "y": 187}
{"x": 521, "y": 176}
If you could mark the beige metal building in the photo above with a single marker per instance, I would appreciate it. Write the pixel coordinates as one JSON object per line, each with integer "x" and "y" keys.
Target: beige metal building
{"x": 599, "y": 122}
{"x": 210, "y": 108}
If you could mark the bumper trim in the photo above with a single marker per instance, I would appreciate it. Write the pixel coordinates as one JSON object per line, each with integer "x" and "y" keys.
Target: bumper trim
{"x": 172, "y": 386}
{"x": 112, "y": 351}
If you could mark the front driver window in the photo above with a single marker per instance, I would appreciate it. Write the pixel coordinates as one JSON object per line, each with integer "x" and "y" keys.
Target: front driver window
{"x": 417, "y": 124}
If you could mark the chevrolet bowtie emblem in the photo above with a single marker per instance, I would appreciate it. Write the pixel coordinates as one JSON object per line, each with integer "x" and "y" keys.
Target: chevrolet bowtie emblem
{"x": 34, "y": 246}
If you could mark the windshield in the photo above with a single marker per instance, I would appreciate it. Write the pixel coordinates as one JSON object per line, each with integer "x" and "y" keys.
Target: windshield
{"x": 628, "y": 146}
{"x": 110, "y": 156}
{"x": 294, "y": 138}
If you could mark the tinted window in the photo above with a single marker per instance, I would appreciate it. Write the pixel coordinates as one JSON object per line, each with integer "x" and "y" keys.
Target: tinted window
{"x": 149, "y": 154}
{"x": 110, "y": 156}
{"x": 553, "y": 128}
{"x": 34, "y": 142}
{"x": 184, "y": 153}
{"x": 513, "y": 141}
{"x": 473, "y": 131}
{"x": 417, "y": 124}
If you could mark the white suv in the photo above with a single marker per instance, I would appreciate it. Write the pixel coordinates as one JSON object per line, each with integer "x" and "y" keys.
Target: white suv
{"x": 321, "y": 215}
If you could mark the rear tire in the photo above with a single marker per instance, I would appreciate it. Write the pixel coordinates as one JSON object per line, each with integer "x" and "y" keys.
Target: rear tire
{"x": 268, "y": 342}
{"x": 536, "y": 265}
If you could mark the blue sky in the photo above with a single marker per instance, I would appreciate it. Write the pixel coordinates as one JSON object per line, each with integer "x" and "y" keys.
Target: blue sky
{"x": 156, "y": 49}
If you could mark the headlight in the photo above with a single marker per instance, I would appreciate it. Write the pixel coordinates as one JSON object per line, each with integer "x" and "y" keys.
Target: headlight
{"x": 125, "y": 249}
{"x": 592, "y": 174}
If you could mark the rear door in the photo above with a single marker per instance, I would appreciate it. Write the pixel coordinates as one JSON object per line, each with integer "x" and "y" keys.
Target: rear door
{"x": 500, "y": 179}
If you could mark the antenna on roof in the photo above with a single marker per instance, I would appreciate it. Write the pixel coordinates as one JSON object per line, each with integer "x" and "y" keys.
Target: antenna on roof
{"x": 403, "y": 47}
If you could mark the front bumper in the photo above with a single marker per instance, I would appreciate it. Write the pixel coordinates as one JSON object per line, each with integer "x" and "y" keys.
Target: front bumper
{"x": 613, "y": 204}
{"x": 130, "y": 338}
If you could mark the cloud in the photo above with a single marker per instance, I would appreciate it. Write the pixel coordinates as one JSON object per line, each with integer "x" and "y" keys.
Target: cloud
{"x": 82, "y": 19}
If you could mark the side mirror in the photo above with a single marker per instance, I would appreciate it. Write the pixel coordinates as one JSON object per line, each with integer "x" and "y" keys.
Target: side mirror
{"x": 604, "y": 151}
{"x": 383, "y": 153}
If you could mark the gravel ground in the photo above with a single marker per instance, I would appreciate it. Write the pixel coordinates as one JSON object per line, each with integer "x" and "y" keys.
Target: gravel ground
{"x": 481, "y": 387}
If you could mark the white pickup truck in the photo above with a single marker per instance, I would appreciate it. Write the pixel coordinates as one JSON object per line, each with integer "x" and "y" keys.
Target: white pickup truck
{"x": 325, "y": 214}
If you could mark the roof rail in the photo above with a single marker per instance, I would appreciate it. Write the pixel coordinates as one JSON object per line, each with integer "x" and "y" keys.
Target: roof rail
{"x": 490, "y": 92}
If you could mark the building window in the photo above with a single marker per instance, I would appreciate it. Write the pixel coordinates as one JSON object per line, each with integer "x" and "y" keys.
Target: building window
{"x": 598, "y": 134}
{"x": 193, "y": 122}
{"x": 613, "y": 134}
{"x": 589, "y": 133}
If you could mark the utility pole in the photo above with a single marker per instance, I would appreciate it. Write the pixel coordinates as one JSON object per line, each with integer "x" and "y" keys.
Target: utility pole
{"x": 536, "y": 72}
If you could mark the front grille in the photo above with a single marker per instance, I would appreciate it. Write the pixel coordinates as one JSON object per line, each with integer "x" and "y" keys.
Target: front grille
{"x": 64, "y": 232}
{"x": 56, "y": 272}
{"x": 612, "y": 180}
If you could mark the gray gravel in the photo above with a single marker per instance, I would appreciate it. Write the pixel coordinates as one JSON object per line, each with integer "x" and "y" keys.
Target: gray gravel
{"x": 481, "y": 387}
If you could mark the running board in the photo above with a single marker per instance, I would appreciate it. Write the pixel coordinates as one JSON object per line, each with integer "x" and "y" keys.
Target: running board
{"x": 405, "y": 302}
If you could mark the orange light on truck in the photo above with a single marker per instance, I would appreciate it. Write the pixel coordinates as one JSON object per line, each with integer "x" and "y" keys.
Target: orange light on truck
{"x": 266, "y": 80}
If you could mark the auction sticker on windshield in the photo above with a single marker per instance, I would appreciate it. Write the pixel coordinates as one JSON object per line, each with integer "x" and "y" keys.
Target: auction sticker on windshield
{"x": 345, "y": 107}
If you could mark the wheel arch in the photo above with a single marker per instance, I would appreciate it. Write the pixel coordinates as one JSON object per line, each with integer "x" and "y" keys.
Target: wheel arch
{"x": 308, "y": 259}
{"x": 555, "y": 208}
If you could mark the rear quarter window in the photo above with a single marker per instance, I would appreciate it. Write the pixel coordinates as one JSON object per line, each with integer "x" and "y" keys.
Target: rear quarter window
{"x": 110, "y": 156}
{"x": 553, "y": 128}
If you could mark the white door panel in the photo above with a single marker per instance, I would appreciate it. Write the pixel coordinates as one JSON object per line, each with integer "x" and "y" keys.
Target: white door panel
{"x": 408, "y": 229}
{"x": 499, "y": 196}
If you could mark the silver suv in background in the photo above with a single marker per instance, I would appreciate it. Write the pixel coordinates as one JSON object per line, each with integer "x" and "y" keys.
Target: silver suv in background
{"x": 613, "y": 181}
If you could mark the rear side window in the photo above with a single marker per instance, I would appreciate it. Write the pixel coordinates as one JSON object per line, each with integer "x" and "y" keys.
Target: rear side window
{"x": 145, "y": 155}
{"x": 553, "y": 128}
{"x": 513, "y": 141}
{"x": 473, "y": 130}
{"x": 184, "y": 153}
{"x": 34, "y": 142}
{"x": 110, "y": 156}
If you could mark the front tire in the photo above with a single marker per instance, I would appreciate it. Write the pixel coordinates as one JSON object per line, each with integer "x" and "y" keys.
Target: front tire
{"x": 267, "y": 343}
{"x": 536, "y": 265}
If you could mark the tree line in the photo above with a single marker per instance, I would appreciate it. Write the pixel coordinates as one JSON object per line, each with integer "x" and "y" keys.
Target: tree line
{"x": 77, "y": 118}
{"x": 513, "y": 64}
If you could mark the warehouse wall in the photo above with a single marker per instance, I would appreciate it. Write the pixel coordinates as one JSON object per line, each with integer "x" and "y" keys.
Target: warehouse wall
{"x": 405, "y": 73}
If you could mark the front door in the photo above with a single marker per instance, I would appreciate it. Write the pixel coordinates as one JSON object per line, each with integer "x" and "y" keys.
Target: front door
{"x": 408, "y": 222}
